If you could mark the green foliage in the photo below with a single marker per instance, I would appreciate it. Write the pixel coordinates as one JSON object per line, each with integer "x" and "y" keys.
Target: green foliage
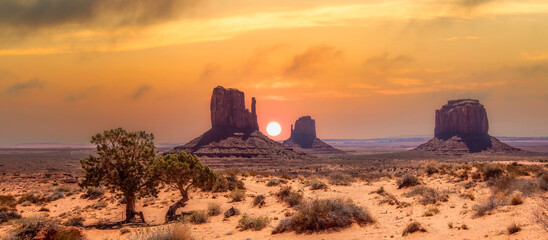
{"x": 256, "y": 223}
{"x": 123, "y": 164}
{"x": 199, "y": 216}
{"x": 183, "y": 171}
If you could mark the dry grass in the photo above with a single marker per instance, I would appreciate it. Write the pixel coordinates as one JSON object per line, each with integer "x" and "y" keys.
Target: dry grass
{"x": 324, "y": 214}
{"x": 513, "y": 228}
{"x": 30, "y": 227}
{"x": 408, "y": 180}
{"x": 254, "y": 223}
{"x": 487, "y": 206}
{"x": 428, "y": 195}
{"x": 413, "y": 227}
{"x": 237, "y": 195}
{"x": 232, "y": 212}
{"x": 541, "y": 214}
{"x": 275, "y": 182}
{"x": 259, "y": 201}
{"x": 199, "y": 216}
{"x": 171, "y": 232}
{"x": 286, "y": 194}
{"x": 431, "y": 211}
{"x": 516, "y": 198}
{"x": 75, "y": 222}
{"x": 340, "y": 179}
{"x": 316, "y": 184}
{"x": 213, "y": 209}
{"x": 93, "y": 193}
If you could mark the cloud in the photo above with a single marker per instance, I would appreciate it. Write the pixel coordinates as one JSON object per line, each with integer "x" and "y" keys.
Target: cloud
{"x": 450, "y": 39}
{"x": 82, "y": 94}
{"x": 209, "y": 72}
{"x": 386, "y": 59}
{"x": 141, "y": 91}
{"x": 21, "y": 87}
{"x": 38, "y": 14}
{"x": 471, "y": 4}
{"x": 312, "y": 60}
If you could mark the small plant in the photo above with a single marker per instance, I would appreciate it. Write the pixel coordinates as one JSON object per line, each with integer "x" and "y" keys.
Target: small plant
{"x": 516, "y": 198}
{"x": 170, "y": 232}
{"x": 285, "y": 176}
{"x": 254, "y": 223}
{"x": 341, "y": 179}
{"x": 8, "y": 215}
{"x": 30, "y": 227}
{"x": 431, "y": 167}
{"x": 513, "y": 228}
{"x": 214, "y": 209}
{"x": 492, "y": 171}
{"x": 31, "y": 198}
{"x": 286, "y": 194}
{"x": 199, "y": 216}
{"x": 489, "y": 205}
{"x": 259, "y": 201}
{"x": 413, "y": 227}
{"x": 237, "y": 195}
{"x": 316, "y": 185}
{"x": 380, "y": 191}
{"x": 431, "y": 211}
{"x": 407, "y": 180}
{"x": 74, "y": 222}
{"x": 464, "y": 227}
{"x": 7, "y": 201}
{"x": 93, "y": 193}
{"x": 324, "y": 214}
{"x": 428, "y": 195}
{"x": 542, "y": 180}
{"x": 275, "y": 182}
{"x": 232, "y": 212}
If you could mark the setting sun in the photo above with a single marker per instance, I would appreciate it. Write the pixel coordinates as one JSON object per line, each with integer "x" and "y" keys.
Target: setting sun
{"x": 273, "y": 129}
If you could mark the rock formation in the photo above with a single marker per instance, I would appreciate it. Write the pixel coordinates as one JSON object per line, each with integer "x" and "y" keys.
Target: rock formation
{"x": 462, "y": 127}
{"x": 234, "y": 132}
{"x": 303, "y": 138}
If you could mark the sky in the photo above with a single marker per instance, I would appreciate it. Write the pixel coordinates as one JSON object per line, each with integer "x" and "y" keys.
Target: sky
{"x": 361, "y": 68}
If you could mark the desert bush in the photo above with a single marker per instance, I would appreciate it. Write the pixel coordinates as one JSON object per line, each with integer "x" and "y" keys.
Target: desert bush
{"x": 508, "y": 185}
{"x": 487, "y": 206}
{"x": 7, "y": 201}
{"x": 541, "y": 214}
{"x": 55, "y": 196}
{"x": 468, "y": 195}
{"x": 254, "y": 223}
{"x": 214, "y": 209}
{"x": 74, "y": 222}
{"x": 259, "y": 201}
{"x": 340, "y": 179}
{"x": 30, "y": 227}
{"x": 516, "y": 170}
{"x": 64, "y": 189}
{"x": 431, "y": 211}
{"x": 516, "y": 198}
{"x": 232, "y": 212}
{"x": 492, "y": 171}
{"x": 237, "y": 195}
{"x": 8, "y": 215}
{"x": 316, "y": 184}
{"x": 170, "y": 232}
{"x": 31, "y": 198}
{"x": 380, "y": 191}
{"x": 285, "y": 176}
{"x": 542, "y": 180}
{"x": 253, "y": 173}
{"x": 286, "y": 194}
{"x": 413, "y": 227}
{"x": 513, "y": 228}
{"x": 428, "y": 195}
{"x": 275, "y": 182}
{"x": 431, "y": 167}
{"x": 407, "y": 180}
{"x": 199, "y": 216}
{"x": 226, "y": 182}
{"x": 93, "y": 193}
{"x": 324, "y": 214}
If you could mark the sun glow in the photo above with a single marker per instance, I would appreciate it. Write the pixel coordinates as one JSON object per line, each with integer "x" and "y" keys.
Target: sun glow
{"x": 273, "y": 129}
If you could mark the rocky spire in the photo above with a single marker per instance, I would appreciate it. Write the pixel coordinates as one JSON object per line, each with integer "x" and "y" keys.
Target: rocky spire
{"x": 228, "y": 110}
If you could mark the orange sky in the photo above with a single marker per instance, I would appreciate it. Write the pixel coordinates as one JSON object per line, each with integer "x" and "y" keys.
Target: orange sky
{"x": 362, "y": 69}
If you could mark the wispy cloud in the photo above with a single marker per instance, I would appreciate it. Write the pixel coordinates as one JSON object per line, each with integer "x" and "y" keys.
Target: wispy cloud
{"x": 450, "y": 39}
{"x": 21, "y": 87}
{"x": 141, "y": 91}
{"x": 77, "y": 96}
{"x": 312, "y": 61}
{"x": 471, "y": 4}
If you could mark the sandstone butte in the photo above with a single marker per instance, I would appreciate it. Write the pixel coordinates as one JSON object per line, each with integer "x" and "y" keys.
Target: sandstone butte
{"x": 303, "y": 138}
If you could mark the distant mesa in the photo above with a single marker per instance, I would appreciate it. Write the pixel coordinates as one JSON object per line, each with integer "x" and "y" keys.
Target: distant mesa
{"x": 462, "y": 127}
{"x": 234, "y": 132}
{"x": 303, "y": 138}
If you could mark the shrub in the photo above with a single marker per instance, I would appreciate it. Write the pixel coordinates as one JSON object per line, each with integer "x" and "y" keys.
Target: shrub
{"x": 428, "y": 195}
{"x": 413, "y": 227}
{"x": 340, "y": 179}
{"x": 431, "y": 167}
{"x": 254, "y": 223}
{"x": 286, "y": 176}
{"x": 490, "y": 204}
{"x": 492, "y": 171}
{"x": 237, "y": 195}
{"x": 31, "y": 198}
{"x": 253, "y": 173}
{"x": 93, "y": 193}
{"x": 431, "y": 211}
{"x": 259, "y": 201}
{"x": 316, "y": 185}
{"x": 7, "y": 201}
{"x": 75, "y": 222}
{"x": 199, "y": 216}
{"x": 508, "y": 185}
{"x": 515, "y": 198}
{"x": 407, "y": 180}
{"x": 227, "y": 183}
{"x": 30, "y": 227}
{"x": 171, "y": 232}
{"x": 324, "y": 214}
{"x": 380, "y": 191}
{"x": 8, "y": 215}
{"x": 542, "y": 180}
{"x": 513, "y": 228}
{"x": 286, "y": 194}
{"x": 232, "y": 212}
{"x": 214, "y": 209}
{"x": 55, "y": 196}
{"x": 541, "y": 214}
{"x": 275, "y": 182}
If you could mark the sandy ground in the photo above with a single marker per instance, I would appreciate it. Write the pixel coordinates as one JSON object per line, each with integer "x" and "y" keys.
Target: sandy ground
{"x": 390, "y": 220}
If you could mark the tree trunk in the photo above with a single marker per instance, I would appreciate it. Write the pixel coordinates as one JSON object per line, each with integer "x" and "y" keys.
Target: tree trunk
{"x": 171, "y": 213}
{"x": 130, "y": 210}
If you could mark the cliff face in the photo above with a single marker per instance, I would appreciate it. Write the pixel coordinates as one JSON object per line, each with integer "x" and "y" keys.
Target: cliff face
{"x": 462, "y": 127}
{"x": 464, "y": 117}
{"x": 228, "y": 110}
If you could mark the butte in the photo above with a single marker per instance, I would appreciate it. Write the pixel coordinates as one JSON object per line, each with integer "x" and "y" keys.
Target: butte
{"x": 303, "y": 138}
{"x": 462, "y": 127}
